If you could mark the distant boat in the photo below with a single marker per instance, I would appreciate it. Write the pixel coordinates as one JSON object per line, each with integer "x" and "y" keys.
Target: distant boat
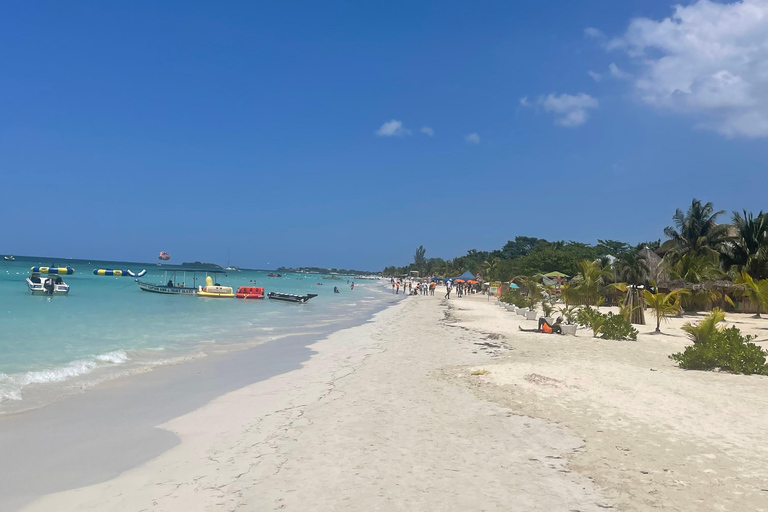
{"x": 332, "y": 277}
{"x": 232, "y": 269}
{"x": 271, "y": 274}
{"x": 10, "y": 257}
{"x": 175, "y": 281}
{"x": 290, "y": 297}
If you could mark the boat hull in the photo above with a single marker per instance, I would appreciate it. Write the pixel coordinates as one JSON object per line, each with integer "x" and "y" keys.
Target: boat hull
{"x": 39, "y": 288}
{"x": 167, "y": 290}
{"x": 216, "y": 295}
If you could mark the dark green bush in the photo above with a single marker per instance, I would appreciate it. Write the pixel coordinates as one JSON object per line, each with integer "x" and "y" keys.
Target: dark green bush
{"x": 727, "y": 349}
{"x": 616, "y": 327}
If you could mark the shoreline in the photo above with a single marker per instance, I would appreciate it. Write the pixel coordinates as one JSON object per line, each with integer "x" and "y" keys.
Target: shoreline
{"x": 44, "y": 382}
{"x": 103, "y": 430}
{"x": 363, "y": 424}
{"x": 445, "y": 405}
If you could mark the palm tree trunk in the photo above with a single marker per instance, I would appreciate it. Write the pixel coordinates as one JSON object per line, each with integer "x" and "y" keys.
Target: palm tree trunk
{"x": 658, "y": 323}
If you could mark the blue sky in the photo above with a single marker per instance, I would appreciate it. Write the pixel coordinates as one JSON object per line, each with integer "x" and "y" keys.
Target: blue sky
{"x": 192, "y": 127}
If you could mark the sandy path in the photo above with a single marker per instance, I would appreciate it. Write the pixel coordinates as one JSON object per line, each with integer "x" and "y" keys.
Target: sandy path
{"x": 372, "y": 422}
{"x": 657, "y": 437}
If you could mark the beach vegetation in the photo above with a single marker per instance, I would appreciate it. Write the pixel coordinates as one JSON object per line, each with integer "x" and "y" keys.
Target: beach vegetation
{"x": 703, "y": 330}
{"x": 747, "y": 250}
{"x": 663, "y": 305}
{"x": 514, "y": 297}
{"x": 756, "y": 291}
{"x": 606, "y": 326}
{"x": 590, "y": 279}
{"x": 590, "y": 318}
{"x": 531, "y": 289}
{"x": 616, "y": 327}
{"x": 724, "y": 349}
{"x": 699, "y": 255}
{"x": 480, "y": 372}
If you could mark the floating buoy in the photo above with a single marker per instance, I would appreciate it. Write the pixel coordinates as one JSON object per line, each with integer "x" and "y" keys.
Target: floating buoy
{"x": 61, "y": 271}
{"x": 118, "y": 273}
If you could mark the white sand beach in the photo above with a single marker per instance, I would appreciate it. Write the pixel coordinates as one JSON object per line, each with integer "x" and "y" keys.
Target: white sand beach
{"x": 388, "y": 416}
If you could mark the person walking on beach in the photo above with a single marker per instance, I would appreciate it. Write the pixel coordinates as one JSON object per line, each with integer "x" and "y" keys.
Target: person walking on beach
{"x": 448, "y": 289}
{"x": 397, "y": 291}
{"x": 393, "y": 286}
{"x": 432, "y": 287}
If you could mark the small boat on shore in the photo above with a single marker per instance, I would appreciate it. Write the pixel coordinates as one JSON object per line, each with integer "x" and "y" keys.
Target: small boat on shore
{"x": 250, "y": 292}
{"x": 214, "y": 290}
{"x": 290, "y": 297}
{"x": 271, "y": 274}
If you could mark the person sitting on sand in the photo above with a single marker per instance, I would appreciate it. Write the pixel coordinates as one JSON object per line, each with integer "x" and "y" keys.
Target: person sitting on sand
{"x": 547, "y": 328}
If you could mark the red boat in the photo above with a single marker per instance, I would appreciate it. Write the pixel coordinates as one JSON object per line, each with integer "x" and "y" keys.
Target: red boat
{"x": 274, "y": 275}
{"x": 250, "y": 292}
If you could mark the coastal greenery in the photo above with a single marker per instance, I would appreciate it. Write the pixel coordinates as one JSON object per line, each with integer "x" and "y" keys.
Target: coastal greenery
{"x": 606, "y": 326}
{"x": 724, "y": 349}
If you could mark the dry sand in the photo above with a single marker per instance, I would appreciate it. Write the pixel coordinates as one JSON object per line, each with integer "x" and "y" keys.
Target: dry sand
{"x": 387, "y": 416}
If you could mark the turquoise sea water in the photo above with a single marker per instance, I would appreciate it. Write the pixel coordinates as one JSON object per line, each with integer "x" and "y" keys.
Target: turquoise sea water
{"x": 107, "y": 326}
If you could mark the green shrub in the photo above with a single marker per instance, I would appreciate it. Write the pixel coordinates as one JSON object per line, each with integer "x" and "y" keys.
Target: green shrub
{"x": 616, "y": 327}
{"x": 588, "y": 317}
{"x": 726, "y": 349}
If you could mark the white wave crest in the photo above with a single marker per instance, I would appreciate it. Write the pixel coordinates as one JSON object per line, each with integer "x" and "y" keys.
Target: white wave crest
{"x": 11, "y": 386}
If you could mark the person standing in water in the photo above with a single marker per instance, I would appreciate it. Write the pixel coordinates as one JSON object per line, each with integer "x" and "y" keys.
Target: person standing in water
{"x": 352, "y": 287}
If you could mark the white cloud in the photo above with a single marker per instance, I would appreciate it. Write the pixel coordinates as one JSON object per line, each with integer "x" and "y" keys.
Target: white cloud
{"x": 593, "y": 33}
{"x": 393, "y": 128}
{"x": 426, "y": 130}
{"x": 618, "y": 73}
{"x": 472, "y": 138}
{"x": 570, "y": 111}
{"x": 709, "y": 60}
{"x": 595, "y": 76}
{"x": 524, "y": 101}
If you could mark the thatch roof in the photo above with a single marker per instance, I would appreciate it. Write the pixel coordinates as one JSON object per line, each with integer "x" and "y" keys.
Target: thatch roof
{"x": 717, "y": 284}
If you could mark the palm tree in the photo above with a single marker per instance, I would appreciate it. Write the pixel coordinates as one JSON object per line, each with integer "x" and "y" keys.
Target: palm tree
{"x": 631, "y": 268}
{"x": 663, "y": 305}
{"x": 696, "y": 230}
{"x": 748, "y": 248}
{"x": 590, "y": 278}
{"x": 697, "y": 269}
{"x": 489, "y": 268}
{"x": 757, "y": 291}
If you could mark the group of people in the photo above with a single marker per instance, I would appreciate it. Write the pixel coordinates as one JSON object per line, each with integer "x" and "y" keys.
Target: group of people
{"x": 462, "y": 288}
{"x": 409, "y": 288}
{"x": 428, "y": 286}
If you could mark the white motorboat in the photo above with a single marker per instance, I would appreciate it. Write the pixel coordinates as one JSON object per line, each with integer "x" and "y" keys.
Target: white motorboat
{"x": 48, "y": 285}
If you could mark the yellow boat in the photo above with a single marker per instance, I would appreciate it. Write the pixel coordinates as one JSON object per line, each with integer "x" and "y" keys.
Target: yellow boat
{"x": 211, "y": 290}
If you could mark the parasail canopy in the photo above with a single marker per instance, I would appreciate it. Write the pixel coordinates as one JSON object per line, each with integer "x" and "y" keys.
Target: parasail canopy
{"x": 164, "y": 256}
